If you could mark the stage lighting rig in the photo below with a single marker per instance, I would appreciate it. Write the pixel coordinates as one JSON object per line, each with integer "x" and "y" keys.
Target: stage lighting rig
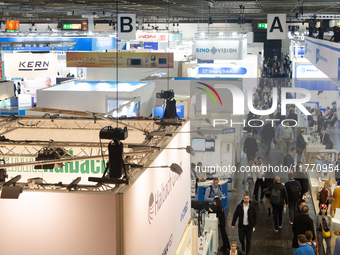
{"x": 170, "y": 109}
{"x": 166, "y": 94}
{"x": 49, "y": 154}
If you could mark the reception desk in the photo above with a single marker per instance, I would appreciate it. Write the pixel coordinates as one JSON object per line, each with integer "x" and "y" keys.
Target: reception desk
{"x": 312, "y": 151}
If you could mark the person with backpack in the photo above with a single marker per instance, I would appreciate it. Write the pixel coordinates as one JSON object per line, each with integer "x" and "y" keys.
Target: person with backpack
{"x": 213, "y": 191}
{"x": 278, "y": 196}
{"x": 310, "y": 242}
{"x": 293, "y": 188}
{"x": 324, "y": 230}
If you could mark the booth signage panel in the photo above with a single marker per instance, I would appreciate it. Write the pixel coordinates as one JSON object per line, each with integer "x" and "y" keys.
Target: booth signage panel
{"x": 103, "y": 43}
{"x": 222, "y": 70}
{"x": 28, "y": 65}
{"x": 125, "y": 59}
{"x": 152, "y": 37}
{"x": 325, "y": 56}
{"x": 12, "y": 25}
{"x": 220, "y": 49}
{"x": 276, "y": 26}
{"x": 126, "y": 26}
{"x": 159, "y": 203}
{"x": 151, "y": 45}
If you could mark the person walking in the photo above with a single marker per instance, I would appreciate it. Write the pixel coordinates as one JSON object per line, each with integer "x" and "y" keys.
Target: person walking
{"x": 245, "y": 213}
{"x": 303, "y": 179}
{"x": 250, "y": 147}
{"x": 268, "y": 180}
{"x": 268, "y": 135}
{"x": 219, "y": 210}
{"x": 249, "y": 178}
{"x": 301, "y": 224}
{"x": 277, "y": 198}
{"x": 287, "y": 137}
{"x": 293, "y": 188}
{"x": 300, "y": 145}
{"x": 323, "y": 226}
{"x": 259, "y": 181}
{"x": 304, "y": 248}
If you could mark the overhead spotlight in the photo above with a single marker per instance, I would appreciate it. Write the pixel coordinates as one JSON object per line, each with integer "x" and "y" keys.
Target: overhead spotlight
{"x": 173, "y": 167}
{"x": 11, "y": 192}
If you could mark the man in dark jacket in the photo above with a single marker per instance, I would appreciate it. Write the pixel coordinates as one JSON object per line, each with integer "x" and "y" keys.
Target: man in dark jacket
{"x": 250, "y": 147}
{"x": 325, "y": 139}
{"x": 301, "y": 224}
{"x": 302, "y": 178}
{"x": 278, "y": 207}
{"x": 290, "y": 158}
{"x": 300, "y": 145}
{"x": 293, "y": 188}
{"x": 245, "y": 224}
{"x": 292, "y": 116}
{"x": 268, "y": 135}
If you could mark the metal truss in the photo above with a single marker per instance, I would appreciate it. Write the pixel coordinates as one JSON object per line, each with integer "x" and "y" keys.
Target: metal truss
{"x": 157, "y": 133}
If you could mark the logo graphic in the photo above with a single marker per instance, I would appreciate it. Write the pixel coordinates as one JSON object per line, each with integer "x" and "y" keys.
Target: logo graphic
{"x": 151, "y": 207}
{"x": 168, "y": 244}
{"x": 184, "y": 211}
{"x": 33, "y": 65}
{"x": 209, "y": 93}
{"x": 317, "y": 55}
{"x": 214, "y": 50}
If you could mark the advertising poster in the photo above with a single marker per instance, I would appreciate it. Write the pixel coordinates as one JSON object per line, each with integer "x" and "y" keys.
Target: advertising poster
{"x": 125, "y": 60}
{"x": 31, "y": 85}
{"x": 28, "y": 65}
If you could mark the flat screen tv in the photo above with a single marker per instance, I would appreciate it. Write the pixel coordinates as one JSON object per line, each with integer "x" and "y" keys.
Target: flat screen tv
{"x": 209, "y": 145}
{"x": 198, "y": 144}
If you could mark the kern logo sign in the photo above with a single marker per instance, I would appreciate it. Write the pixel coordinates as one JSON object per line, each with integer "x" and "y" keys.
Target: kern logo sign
{"x": 126, "y": 26}
{"x": 27, "y": 65}
{"x": 276, "y": 26}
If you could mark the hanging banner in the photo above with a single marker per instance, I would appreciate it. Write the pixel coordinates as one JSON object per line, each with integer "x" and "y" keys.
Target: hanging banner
{"x": 276, "y": 26}
{"x": 126, "y": 26}
{"x": 28, "y": 65}
{"x": 125, "y": 59}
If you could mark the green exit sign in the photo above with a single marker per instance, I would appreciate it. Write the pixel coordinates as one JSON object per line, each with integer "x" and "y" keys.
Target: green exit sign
{"x": 262, "y": 25}
{"x": 67, "y": 26}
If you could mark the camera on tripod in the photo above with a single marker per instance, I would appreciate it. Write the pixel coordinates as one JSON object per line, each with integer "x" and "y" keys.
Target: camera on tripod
{"x": 166, "y": 94}
{"x": 113, "y": 133}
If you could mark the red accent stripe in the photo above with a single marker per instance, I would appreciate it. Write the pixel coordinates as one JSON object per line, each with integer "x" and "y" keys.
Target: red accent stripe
{"x": 213, "y": 90}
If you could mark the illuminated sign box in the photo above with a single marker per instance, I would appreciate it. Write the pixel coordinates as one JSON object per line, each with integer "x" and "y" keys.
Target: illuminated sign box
{"x": 12, "y": 25}
{"x": 72, "y": 26}
{"x": 262, "y": 25}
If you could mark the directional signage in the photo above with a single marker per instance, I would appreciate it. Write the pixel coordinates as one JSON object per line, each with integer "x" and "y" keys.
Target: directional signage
{"x": 276, "y": 28}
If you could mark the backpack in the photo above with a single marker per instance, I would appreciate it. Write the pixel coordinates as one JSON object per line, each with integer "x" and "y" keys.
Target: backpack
{"x": 275, "y": 197}
{"x": 211, "y": 189}
{"x": 323, "y": 196}
{"x": 294, "y": 192}
{"x": 312, "y": 244}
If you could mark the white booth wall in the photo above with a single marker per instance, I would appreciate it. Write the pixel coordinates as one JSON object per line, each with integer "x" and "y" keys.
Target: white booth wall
{"x": 55, "y": 223}
{"x": 156, "y": 208}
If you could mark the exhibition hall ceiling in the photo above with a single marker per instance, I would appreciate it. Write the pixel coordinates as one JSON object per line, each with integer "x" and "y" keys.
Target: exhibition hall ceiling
{"x": 153, "y": 10}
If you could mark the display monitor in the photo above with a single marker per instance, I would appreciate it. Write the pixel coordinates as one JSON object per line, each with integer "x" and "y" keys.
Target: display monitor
{"x": 198, "y": 144}
{"x": 200, "y": 205}
{"x": 209, "y": 145}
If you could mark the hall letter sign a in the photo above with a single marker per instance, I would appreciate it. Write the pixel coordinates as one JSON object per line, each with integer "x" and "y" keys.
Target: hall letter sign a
{"x": 276, "y": 26}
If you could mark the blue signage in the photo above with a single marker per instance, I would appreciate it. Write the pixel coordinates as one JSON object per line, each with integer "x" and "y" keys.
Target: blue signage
{"x": 222, "y": 70}
{"x": 159, "y": 111}
{"x": 81, "y": 43}
{"x": 338, "y": 69}
{"x": 318, "y": 57}
{"x": 228, "y": 131}
{"x": 151, "y": 45}
{"x": 103, "y": 43}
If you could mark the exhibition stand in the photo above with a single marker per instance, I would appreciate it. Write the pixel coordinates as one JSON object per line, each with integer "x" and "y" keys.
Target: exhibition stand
{"x": 202, "y": 186}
